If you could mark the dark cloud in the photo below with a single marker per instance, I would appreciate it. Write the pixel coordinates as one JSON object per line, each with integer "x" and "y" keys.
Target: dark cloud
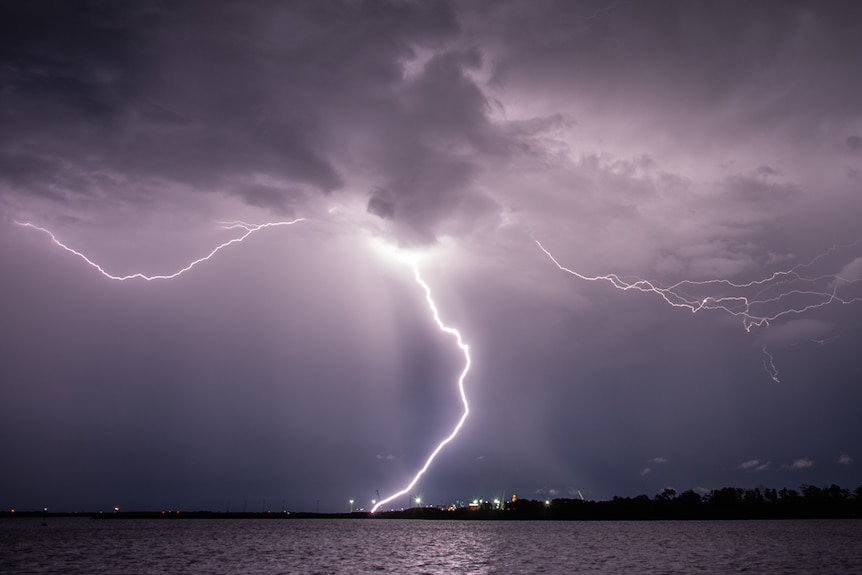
{"x": 679, "y": 52}
{"x": 380, "y": 204}
{"x": 206, "y": 95}
{"x": 279, "y": 200}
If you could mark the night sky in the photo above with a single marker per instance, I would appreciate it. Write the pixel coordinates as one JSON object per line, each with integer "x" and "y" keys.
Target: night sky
{"x": 667, "y": 141}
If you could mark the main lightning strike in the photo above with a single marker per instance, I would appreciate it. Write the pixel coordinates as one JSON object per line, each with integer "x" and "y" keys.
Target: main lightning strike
{"x": 249, "y": 230}
{"x": 467, "y": 361}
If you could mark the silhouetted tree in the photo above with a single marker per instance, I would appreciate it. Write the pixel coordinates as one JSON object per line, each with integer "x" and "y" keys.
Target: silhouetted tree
{"x": 788, "y": 494}
{"x": 666, "y": 495}
{"x": 753, "y": 497}
{"x": 811, "y": 493}
{"x": 836, "y": 494}
{"x": 689, "y": 498}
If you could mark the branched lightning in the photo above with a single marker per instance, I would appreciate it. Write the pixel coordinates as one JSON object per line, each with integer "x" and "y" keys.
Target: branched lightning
{"x": 757, "y": 303}
{"x": 249, "y": 230}
{"x": 466, "y": 351}
{"x": 742, "y": 306}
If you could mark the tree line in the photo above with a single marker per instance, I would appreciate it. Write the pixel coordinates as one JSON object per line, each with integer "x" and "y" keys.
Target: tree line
{"x": 809, "y": 502}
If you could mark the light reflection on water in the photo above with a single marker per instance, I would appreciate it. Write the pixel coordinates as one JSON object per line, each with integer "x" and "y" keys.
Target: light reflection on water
{"x": 403, "y": 546}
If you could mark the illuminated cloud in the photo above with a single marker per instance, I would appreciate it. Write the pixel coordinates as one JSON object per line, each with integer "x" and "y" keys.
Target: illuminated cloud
{"x": 801, "y": 464}
{"x": 849, "y": 275}
{"x": 796, "y": 330}
{"x": 845, "y": 460}
{"x": 754, "y": 465}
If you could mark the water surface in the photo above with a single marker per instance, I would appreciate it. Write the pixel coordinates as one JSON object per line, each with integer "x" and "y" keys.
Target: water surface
{"x": 324, "y": 546}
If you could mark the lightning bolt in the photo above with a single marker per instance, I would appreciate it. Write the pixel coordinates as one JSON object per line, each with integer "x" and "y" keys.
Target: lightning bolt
{"x": 249, "y": 230}
{"x": 782, "y": 293}
{"x": 467, "y": 361}
{"x": 769, "y": 366}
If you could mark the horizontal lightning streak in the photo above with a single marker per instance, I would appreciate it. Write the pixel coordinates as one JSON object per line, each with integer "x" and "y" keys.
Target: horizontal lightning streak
{"x": 735, "y": 305}
{"x": 465, "y": 349}
{"x": 249, "y": 230}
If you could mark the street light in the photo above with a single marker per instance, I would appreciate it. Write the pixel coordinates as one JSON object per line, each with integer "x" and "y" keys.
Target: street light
{"x": 351, "y": 506}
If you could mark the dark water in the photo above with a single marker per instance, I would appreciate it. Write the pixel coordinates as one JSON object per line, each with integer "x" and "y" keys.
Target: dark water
{"x": 399, "y": 546}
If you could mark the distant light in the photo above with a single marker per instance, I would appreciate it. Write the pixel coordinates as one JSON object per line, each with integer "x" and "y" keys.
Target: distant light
{"x": 116, "y": 509}
{"x": 547, "y": 502}
{"x": 418, "y": 500}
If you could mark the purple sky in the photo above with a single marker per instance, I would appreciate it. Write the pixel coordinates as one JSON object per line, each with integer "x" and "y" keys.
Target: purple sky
{"x": 668, "y": 141}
